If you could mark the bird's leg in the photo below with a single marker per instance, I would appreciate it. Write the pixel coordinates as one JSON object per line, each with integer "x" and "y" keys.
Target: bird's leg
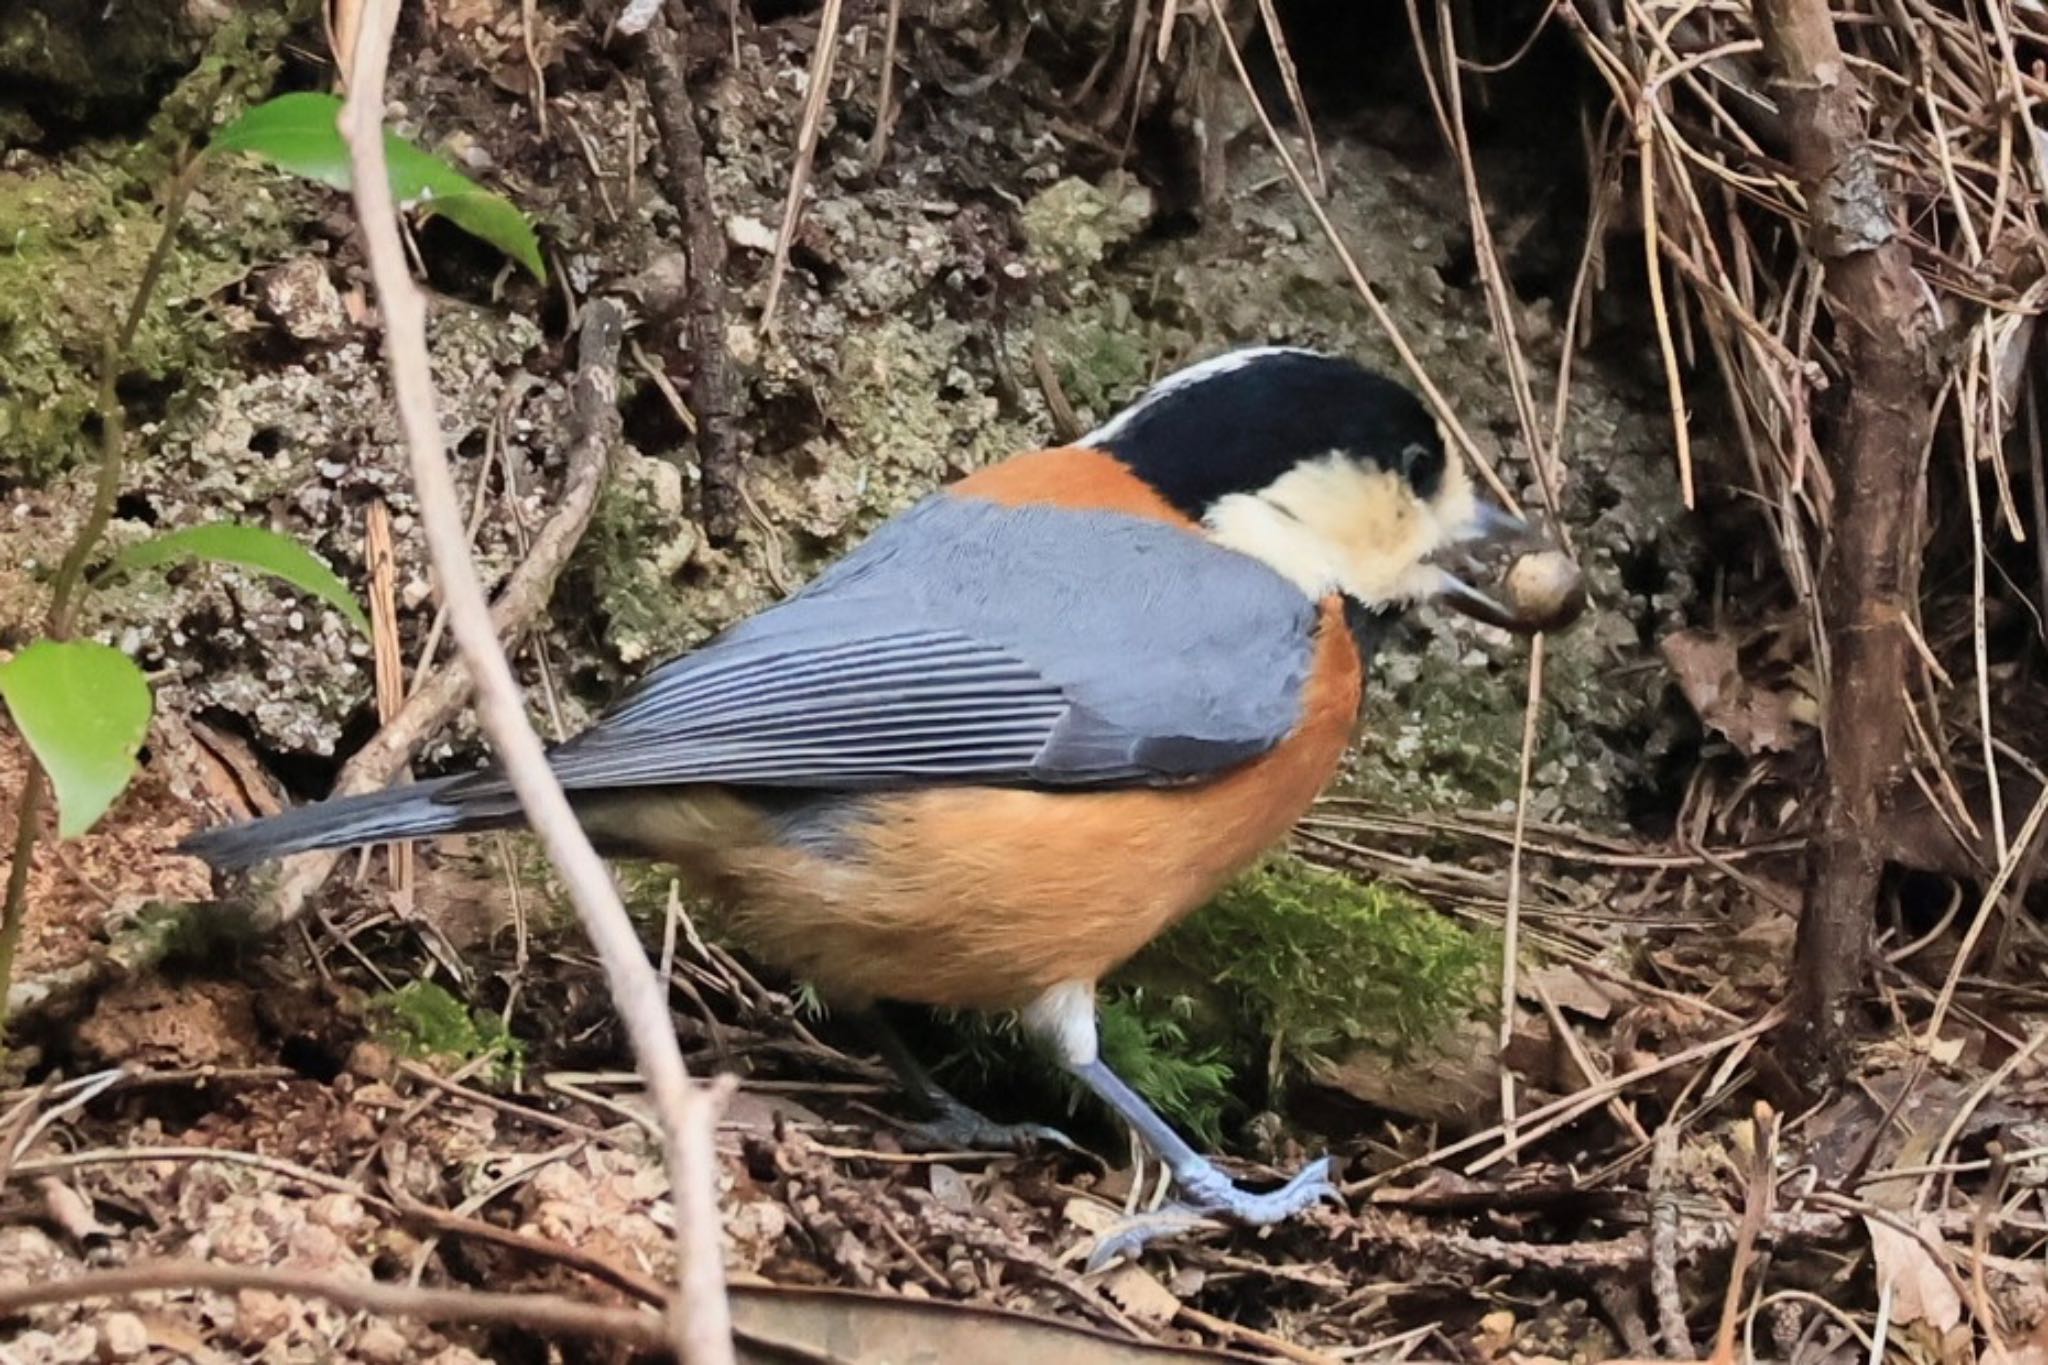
{"x": 1065, "y": 1016}
{"x": 955, "y": 1124}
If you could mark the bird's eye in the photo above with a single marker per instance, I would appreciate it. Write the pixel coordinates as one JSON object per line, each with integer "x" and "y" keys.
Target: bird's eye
{"x": 1412, "y": 455}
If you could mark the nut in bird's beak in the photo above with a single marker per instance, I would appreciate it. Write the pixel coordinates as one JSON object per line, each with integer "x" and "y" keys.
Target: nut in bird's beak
{"x": 1531, "y": 585}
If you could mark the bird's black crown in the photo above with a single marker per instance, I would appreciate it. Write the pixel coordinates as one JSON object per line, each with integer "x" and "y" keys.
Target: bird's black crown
{"x": 1238, "y": 422}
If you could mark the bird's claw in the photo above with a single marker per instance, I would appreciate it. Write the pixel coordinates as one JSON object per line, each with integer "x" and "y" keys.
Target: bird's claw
{"x": 1209, "y": 1197}
{"x": 959, "y": 1128}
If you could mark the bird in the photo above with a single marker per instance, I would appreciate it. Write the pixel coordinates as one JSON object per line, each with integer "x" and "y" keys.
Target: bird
{"x": 1031, "y": 721}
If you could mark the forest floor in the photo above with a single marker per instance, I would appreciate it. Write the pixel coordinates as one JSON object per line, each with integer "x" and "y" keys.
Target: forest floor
{"x": 420, "y": 1079}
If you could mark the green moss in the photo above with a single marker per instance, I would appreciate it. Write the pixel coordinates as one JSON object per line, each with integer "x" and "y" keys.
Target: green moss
{"x": 210, "y": 939}
{"x": 238, "y": 67}
{"x": 910, "y": 416}
{"x": 1145, "y": 1037}
{"x": 1310, "y": 960}
{"x": 74, "y": 237}
{"x": 1288, "y": 964}
{"x": 1102, "y": 355}
{"x": 1073, "y": 224}
{"x": 423, "y": 1021}
{"x": 1148, "y": 1039}
{"x": 635, "y": 548}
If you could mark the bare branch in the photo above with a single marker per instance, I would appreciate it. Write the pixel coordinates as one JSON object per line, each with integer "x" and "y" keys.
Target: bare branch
{"x": 535, "y": 1312}
{"x": 1872, "y": 575}
{"x": 688, "y": 187}
{"x": 701, "y": 1320}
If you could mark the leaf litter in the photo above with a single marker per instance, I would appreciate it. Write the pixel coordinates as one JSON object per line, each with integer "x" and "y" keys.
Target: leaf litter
{"x": 234, "y": 1127}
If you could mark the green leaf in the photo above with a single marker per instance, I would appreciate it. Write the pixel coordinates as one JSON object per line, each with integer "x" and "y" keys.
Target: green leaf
{"x": 83, "y": 708}
{"x": 299, "y": 133}
{"x": 250, "y": 547}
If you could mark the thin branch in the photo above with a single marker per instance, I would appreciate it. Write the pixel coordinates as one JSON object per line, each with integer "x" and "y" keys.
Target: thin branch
{"x": 686, "y": 185}
{"x": 700, "y": 1322}
{"x": 1871, "y": 578}
{"x": 885, "y": 97}
{"x": 533, "y": 1312}
{"x": 1664, "y": 1225}
{"x": 815, "y": 96}
{"x": 1511, "y": 939}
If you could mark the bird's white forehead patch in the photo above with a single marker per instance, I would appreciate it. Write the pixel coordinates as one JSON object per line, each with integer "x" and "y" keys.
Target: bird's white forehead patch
{"x": 1180, "y": 381}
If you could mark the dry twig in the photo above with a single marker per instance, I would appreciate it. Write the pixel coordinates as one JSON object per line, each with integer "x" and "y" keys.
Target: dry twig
{"x": 1871, "y": 578}
{"x": 700, "y": 1321}
{"x": 534, "y": 1312}
{"x": 684, "y": 183}
{"x": 819, "y": 90}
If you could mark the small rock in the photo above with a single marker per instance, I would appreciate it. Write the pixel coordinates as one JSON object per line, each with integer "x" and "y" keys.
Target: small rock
{"x": 243, "y": 1240}
{"x": 123, "y": 1337}
{"x": 28, "y": 1254}
{"x": 299, "y": 297}
{"x": 664, "y": 286}
{"x": 336, "y": 1212}
{"x": 260, "y": 1316}
{"x": 751, "y": 233}
{"x": 379, "y": 1343}
{"x": 372, "y": 1061}
{"x": 316, "y": 1248}
{"x": 76, "y": 1345}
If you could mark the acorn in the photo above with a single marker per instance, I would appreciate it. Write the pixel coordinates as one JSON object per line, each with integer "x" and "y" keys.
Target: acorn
{"x": 1545, "y": 589}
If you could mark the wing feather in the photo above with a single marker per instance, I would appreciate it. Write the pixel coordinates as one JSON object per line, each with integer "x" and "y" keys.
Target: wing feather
{"x": 965, "y": 642}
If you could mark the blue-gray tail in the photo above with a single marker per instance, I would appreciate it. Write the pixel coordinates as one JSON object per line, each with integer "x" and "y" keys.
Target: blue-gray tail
{"x": 400, "y": 813}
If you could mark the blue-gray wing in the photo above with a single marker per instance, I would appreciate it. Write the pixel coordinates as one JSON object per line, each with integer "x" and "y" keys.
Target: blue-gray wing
{"x": 969, "y": 642}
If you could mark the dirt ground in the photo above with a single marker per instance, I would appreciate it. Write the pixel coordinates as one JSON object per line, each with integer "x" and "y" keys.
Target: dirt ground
{"x": 1017, "y": 244}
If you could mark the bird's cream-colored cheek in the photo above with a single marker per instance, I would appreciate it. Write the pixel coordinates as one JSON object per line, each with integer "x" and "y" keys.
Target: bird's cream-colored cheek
{"x": 1380, "y": 531}
{"x": 1388, "y": 570}
{"x": 1332, "y": 525}
{"x": 1253, "y": 526}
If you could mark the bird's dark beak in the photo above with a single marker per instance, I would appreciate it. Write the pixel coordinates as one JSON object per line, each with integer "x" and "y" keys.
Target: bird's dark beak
{"x": 1530, "y": 585}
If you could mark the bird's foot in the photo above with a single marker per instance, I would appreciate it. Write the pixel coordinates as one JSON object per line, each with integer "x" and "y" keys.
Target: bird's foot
{"x": 1207, "y": 1195}
{"x": 959, "y": 1127}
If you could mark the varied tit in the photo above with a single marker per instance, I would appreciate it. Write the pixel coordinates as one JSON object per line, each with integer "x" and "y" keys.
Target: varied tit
{"x": 1032, "y": 721}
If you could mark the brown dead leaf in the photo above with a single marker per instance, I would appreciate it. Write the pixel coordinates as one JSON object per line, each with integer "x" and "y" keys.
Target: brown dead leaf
{"x": 1921, "y": 1289}
{"x": 1569, "y": 988}
{"x": 1140, "y": 1295}
{"x": 2031, "y": 1348}
{"x": 1754, "y": 719}
{"x": 1089, "y": 1215}
{"x": 1453, "y": 1080}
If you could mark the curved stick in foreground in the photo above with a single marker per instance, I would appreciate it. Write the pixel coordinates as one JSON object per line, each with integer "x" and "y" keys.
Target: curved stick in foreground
{"x": 701, "y": 1321}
